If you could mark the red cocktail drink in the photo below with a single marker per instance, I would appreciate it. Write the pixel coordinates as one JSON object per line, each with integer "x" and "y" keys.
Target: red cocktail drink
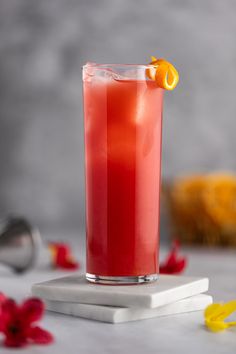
{"x": 123, "y": 126}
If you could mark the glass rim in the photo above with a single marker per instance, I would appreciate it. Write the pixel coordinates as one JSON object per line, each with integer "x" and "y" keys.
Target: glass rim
{"x": 104, "y": 66}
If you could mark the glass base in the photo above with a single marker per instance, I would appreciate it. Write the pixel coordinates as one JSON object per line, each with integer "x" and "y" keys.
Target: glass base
{"x": 126, "y": 280}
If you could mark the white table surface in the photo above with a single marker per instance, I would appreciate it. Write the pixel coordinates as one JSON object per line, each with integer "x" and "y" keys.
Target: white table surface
{"x": 174, "y": 334}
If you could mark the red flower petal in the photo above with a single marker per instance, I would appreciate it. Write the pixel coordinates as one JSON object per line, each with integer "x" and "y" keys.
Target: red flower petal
{"x": 15, "y": 322}
{"x": 173, "y": 264}
{"x": 32, "y": 310}
{"x": 15, "y": 332}
{"x": 12, "y": 325}
{"x": 9, "y": 309}
{"x": 62, "y": 253}
{"x": 2, "y": 298}
{"x": 63, "y": 256}
{"x": 180, "y": 265}
{"x": 69, "y": 264}
{"x": 15, "y": 342}
{"x": 61, "y": 245}
{"x": 40, "y": 336}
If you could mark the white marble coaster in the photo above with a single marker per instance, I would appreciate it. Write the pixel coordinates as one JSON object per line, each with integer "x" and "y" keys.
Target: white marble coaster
{"x": 167, "y": 289}
{"x": 121, "y": 314}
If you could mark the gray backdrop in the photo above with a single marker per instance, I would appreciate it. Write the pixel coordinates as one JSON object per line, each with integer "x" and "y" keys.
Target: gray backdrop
{"x": 43, "y": 44}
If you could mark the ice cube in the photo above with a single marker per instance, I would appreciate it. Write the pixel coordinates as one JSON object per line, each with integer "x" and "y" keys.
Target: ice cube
{"x": 99, "y": 73}
{"x": 118, "y": 73}
{"x": 108, "y": 74}
{"x": 135, "y": 74}
{"x": 88, "y": 71}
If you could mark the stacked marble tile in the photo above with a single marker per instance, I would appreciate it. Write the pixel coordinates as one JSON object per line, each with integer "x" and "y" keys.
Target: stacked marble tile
{"x": 169, "y": 295}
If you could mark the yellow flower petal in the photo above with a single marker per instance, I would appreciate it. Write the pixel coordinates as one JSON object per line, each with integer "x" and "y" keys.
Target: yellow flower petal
{"x": 225, "y": 310}
{"x": 231, "y": 324}
{"x": 215, "y": 314}
{"x": 216, "y": 326}
{"x": 209, "y": 311}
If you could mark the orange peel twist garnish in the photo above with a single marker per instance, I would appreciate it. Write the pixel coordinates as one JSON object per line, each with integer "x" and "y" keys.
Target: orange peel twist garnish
{"x": 164, "y": 73}
{"x": 215, "y": 314}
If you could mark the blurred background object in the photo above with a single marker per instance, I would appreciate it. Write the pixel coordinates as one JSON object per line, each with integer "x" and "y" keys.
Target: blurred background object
{"x": 43, "y": 45}
{"x": 203, "y": 209}
{"x": 20, "y": 244}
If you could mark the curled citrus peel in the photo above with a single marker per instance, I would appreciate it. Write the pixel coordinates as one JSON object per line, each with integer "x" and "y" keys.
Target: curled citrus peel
{"x": 215, "y": 314}
{"x": 164, "y": 73}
